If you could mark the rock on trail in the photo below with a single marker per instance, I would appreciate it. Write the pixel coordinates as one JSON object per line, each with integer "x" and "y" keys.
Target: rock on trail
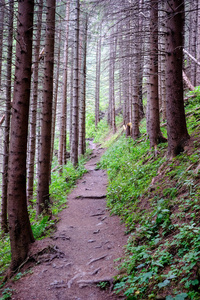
{"x": 81, "y": 252}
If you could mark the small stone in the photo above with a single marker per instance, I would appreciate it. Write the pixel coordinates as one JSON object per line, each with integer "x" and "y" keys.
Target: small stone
{"x": 99, "y": 224}
{"x": 91, "y": 241}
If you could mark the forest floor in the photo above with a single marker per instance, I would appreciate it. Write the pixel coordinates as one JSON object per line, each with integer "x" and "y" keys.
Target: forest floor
{"x": 81, "y": 252}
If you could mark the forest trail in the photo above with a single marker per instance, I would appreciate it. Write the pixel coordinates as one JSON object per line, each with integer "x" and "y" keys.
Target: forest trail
{"x": 81, "y": 251}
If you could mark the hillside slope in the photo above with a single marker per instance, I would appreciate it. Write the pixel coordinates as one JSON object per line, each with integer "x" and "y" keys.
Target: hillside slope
{"x": 159, "y": 200}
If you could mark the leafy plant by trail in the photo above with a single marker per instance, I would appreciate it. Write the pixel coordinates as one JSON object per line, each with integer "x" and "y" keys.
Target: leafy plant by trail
{"x": 159, "y": 202}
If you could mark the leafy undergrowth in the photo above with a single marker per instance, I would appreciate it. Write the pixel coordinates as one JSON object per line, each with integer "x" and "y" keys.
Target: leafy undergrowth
{"x": 42, "y": 226}
{"x": 159, "y": 200}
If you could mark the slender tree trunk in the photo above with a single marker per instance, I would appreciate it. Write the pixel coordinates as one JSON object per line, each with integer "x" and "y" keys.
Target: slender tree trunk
{"x": 63, "y": 119}
{"x": 19, "y": 225}
{"x": 46, "y": 126}
{"x": 33, "y": 106}
{"x": 141, "y": 61}
{"x": 55, "y": 100}
{"x": 198, "y": 44}
{"x": 155, "y": 134}
{"x": 4, "y": 223}
{"x": 71, "y": 97}
{"x": 74, "y": 146}
{"x": 111, "y": 81}
{"x": 123, "y": 48}
{"x": 162, "y": 62}
{"x": 176, "y": 122}
{"x": 135, "y": 101}
{"x": 98, "y": 76}
{"x": 82, "y": 145}
{"x": 2, "y": 13}
{"x": 193, "y": 39}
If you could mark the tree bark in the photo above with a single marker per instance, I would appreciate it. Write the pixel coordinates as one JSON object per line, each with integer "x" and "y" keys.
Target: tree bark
{"x": 135, "y": 100}
{"x": 176, "y": 122}
{"x": 46, "y": 126}
{"x": 33, "y": 107}
{"x": 2, "y": 13}
{"x": 63, "y": 119}
{"x": 198, "y": 44}
{"x": 4, "y": 223}
{"x": 19, "y": 225}
{"x": 193, "y": 39}
{"x": 155, "y": 134}
{"x": 98, "y": 75}
{"x": 112, "y": 81}
{"x": 74, "y": 146}
{"x": 82, "y": 145}
{"x": 55, "y": 100}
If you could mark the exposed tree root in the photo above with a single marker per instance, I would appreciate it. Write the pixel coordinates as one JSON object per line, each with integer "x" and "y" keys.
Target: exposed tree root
{"x": 84, "y": 283}
{"x": 96, "y": 259}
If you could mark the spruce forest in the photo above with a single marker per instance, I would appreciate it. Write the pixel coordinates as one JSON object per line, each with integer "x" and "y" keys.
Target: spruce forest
{"x": 124, "y": 76}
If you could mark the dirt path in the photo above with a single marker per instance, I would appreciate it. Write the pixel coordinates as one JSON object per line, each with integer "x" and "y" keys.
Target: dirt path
{"x": 81, "y": 251}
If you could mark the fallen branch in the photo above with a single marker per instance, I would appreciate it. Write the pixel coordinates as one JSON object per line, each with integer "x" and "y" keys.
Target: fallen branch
{"x": 99, "y": 214}
{"x": 192, "y": 57}
{"x": 187, "y": 82}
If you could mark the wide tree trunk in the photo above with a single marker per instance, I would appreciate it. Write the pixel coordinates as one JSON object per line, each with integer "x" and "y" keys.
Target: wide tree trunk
{"x": 19, "y": 225}
{"x": 33, "y": 107}
{"x": 75, "y": 108}
{"x": 176, "y": 122}
{"x": 46, "y": 126}
{"x": 4, "y": 223}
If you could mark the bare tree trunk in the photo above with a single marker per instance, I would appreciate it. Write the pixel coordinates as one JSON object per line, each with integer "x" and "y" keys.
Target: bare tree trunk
{"x": 98, "y": 75}
{"x": 46, "y": 126}
{"x": 162, "y": 42}
{"x": 74, "y": 146}
{"x": 71, "y": 97}
{"x": 82, "y": 145}
{"x": 33, "y": 107}
{"x": 135, "y": 101}
{"x": 155, "y": 134}
{"x": 2, "y": 12}
{"x": 193, "y": 39}
{"x": 198, "y": 44}
{"x": 4, "y": 222}
{"x": 112, "y": 81}
{"x": 19, "y": 225}
{"x": 176, "y": 122}
{"x": 63, "y": 119}
{"x": 55, "y": 100}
